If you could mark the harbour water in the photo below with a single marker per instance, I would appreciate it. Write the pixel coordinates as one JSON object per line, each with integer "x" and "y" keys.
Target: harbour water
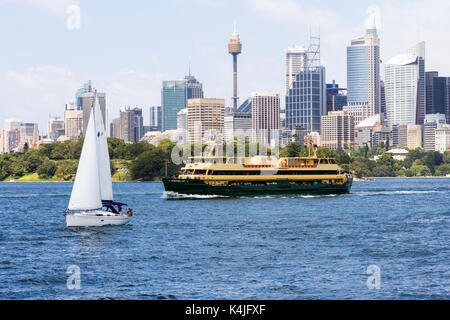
{"x": 305, "y": 247}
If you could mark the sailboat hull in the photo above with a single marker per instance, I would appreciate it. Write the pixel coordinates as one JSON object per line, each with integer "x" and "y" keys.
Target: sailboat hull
{"x": 95, "y": 219}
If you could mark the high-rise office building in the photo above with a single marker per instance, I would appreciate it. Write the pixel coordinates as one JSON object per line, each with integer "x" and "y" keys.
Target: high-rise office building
{"x": 155, "y": 113}
{"x": 183, "y": 125}
{"x": 442, "y": 138}
{"x": 85, "y": 88}
{"x": 29, "y": 134}
{"x": 363, "y": 73}
{"x": 306, "y": 100}
{"x": 131, "y": 124}
{"x": 174, "y": 96}
{"x": 305, "y": 87}
{"x": 114, "y": 129}
{"x": 429, "y": 81}
{"x": 73, "y": 122}
{"x": 237, "y": 124}
{"x": 400, "y": 135}
{"x": 55, "y": 128}
{"x": 405, "y": 87}
{"x": 338, "y": 130}
{"x": 194, "y": 89}
{"x": 441, "y": 96}
{"x": 431, "y": 123}
{"x": 265, "y": 117}
{"x": 382, "y": 101}
{"x": 336, "y": 97}
{"x": 204, "y": 115}
{"x": 11, "y": 135}
{"x": 414, "y": 136}
{"x": 87, "y": 100}
{"x": 296, "y": 59}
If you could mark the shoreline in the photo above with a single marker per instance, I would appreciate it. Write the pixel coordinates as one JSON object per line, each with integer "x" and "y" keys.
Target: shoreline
{"x": 365, "y": 179}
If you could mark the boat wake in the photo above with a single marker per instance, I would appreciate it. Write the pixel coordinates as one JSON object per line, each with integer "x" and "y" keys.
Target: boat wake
{"x": 170, "y": 195}
{"x": 396, "y": 192}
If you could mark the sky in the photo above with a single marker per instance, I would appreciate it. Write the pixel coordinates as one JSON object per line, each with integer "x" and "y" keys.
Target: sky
{"x": 127, "y": 48}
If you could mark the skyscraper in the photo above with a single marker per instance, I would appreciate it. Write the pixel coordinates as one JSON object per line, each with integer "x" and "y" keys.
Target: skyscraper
{"x": 73, "y": 122}
{"x": 338, "y": 130}
{"x": 114, "y": 130}
{"x": 155, "y": 118}
{"x": 296, "y": 59}
{"x": 265, "y": 117}
{"x": 85, "y": 88}
{"x": 55, "y": 128}
{"x": 405, "y": 87}
{"x": 306, "y": 92}
{"x": 441, "y": 96}
{"x": 363, "y": 73}
{"x": 336, "y": 97}
{"x": 29, "y": 134}
{"x": 429, "y": 81}
{"x": 183, "y": 125}
{"x": 174, "y": 96}
{"x": 131, "y": 124}
{"x": 87, "y": 100}
{"x": 194, "y": 89}
{"x": 431, "y": 124}
{"x": 204, "y": 115}
{"x": 235, "y": 48}
{"x": 306, "y": 100}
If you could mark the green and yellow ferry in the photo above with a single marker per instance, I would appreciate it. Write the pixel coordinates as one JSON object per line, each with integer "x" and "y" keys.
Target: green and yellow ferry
{"x": 261, "y": 175}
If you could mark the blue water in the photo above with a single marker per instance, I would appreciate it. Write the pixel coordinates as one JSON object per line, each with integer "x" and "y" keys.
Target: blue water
{"x": 221, "y": 248}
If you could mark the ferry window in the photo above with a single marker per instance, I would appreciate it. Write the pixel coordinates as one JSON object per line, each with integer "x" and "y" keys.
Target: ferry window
{"x": 323, "y": 161}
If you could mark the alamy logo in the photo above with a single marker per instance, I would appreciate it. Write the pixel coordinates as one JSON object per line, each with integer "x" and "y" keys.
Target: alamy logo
{"x": 73, "y": 21}
{"x": 374, "y": 279}
{"x": 74, "y": 279}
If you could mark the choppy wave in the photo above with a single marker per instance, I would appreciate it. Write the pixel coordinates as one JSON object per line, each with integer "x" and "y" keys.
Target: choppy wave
{"x": 34, "y": 195}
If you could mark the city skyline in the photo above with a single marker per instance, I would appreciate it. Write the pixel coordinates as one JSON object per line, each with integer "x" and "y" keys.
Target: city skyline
{"x": 130, "y": 70}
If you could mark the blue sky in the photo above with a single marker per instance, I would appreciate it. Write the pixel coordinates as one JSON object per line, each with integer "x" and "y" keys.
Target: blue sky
{"x": 128, "y": 47}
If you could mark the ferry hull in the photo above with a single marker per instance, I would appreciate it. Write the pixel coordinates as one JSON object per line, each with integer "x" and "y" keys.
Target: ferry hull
{"x": 200, "y": 187}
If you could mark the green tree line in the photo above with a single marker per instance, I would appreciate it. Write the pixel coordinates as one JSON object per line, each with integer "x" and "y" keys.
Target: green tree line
{"x": 146, "y": 162}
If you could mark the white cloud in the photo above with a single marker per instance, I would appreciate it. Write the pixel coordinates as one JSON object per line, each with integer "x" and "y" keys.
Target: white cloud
{"x": 56, "y": 7}
{"x": 37, "y": 92}
{"x": 401, "y": 25}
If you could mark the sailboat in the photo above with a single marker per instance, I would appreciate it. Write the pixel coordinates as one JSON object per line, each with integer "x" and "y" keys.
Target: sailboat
{"x": 91, "y": 202}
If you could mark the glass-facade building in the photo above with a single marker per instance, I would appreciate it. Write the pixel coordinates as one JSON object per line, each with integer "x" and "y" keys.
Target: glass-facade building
{"x": 174, "y": 96}
{"x": 405, "y": 87}
{"x": 306, "y": 100}
{"x": 155, "y": 114}
{"x": 363, "y": 73}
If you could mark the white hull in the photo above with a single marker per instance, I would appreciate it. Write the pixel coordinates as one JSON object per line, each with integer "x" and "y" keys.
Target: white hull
{"x": 95, "y": 219}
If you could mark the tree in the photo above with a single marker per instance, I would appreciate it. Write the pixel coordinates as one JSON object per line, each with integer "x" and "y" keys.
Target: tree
{"x": 381, "y": 170}
{"x": 442, "y": 170}
{"x": 149, "y": 165}
{"x": 293, "y": 149}
{"x": 421, "y": 170}
{"x": 47, "y": 169}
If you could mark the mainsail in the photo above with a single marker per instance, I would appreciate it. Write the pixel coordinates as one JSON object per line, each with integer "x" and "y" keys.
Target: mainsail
{"x": 86, "y": 188}
{"x": 103, "y": 155}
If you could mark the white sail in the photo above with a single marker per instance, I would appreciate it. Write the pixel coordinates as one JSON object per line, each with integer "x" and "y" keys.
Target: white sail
{"x": 86, "y": 188}
{"x": 103, "y": 155}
